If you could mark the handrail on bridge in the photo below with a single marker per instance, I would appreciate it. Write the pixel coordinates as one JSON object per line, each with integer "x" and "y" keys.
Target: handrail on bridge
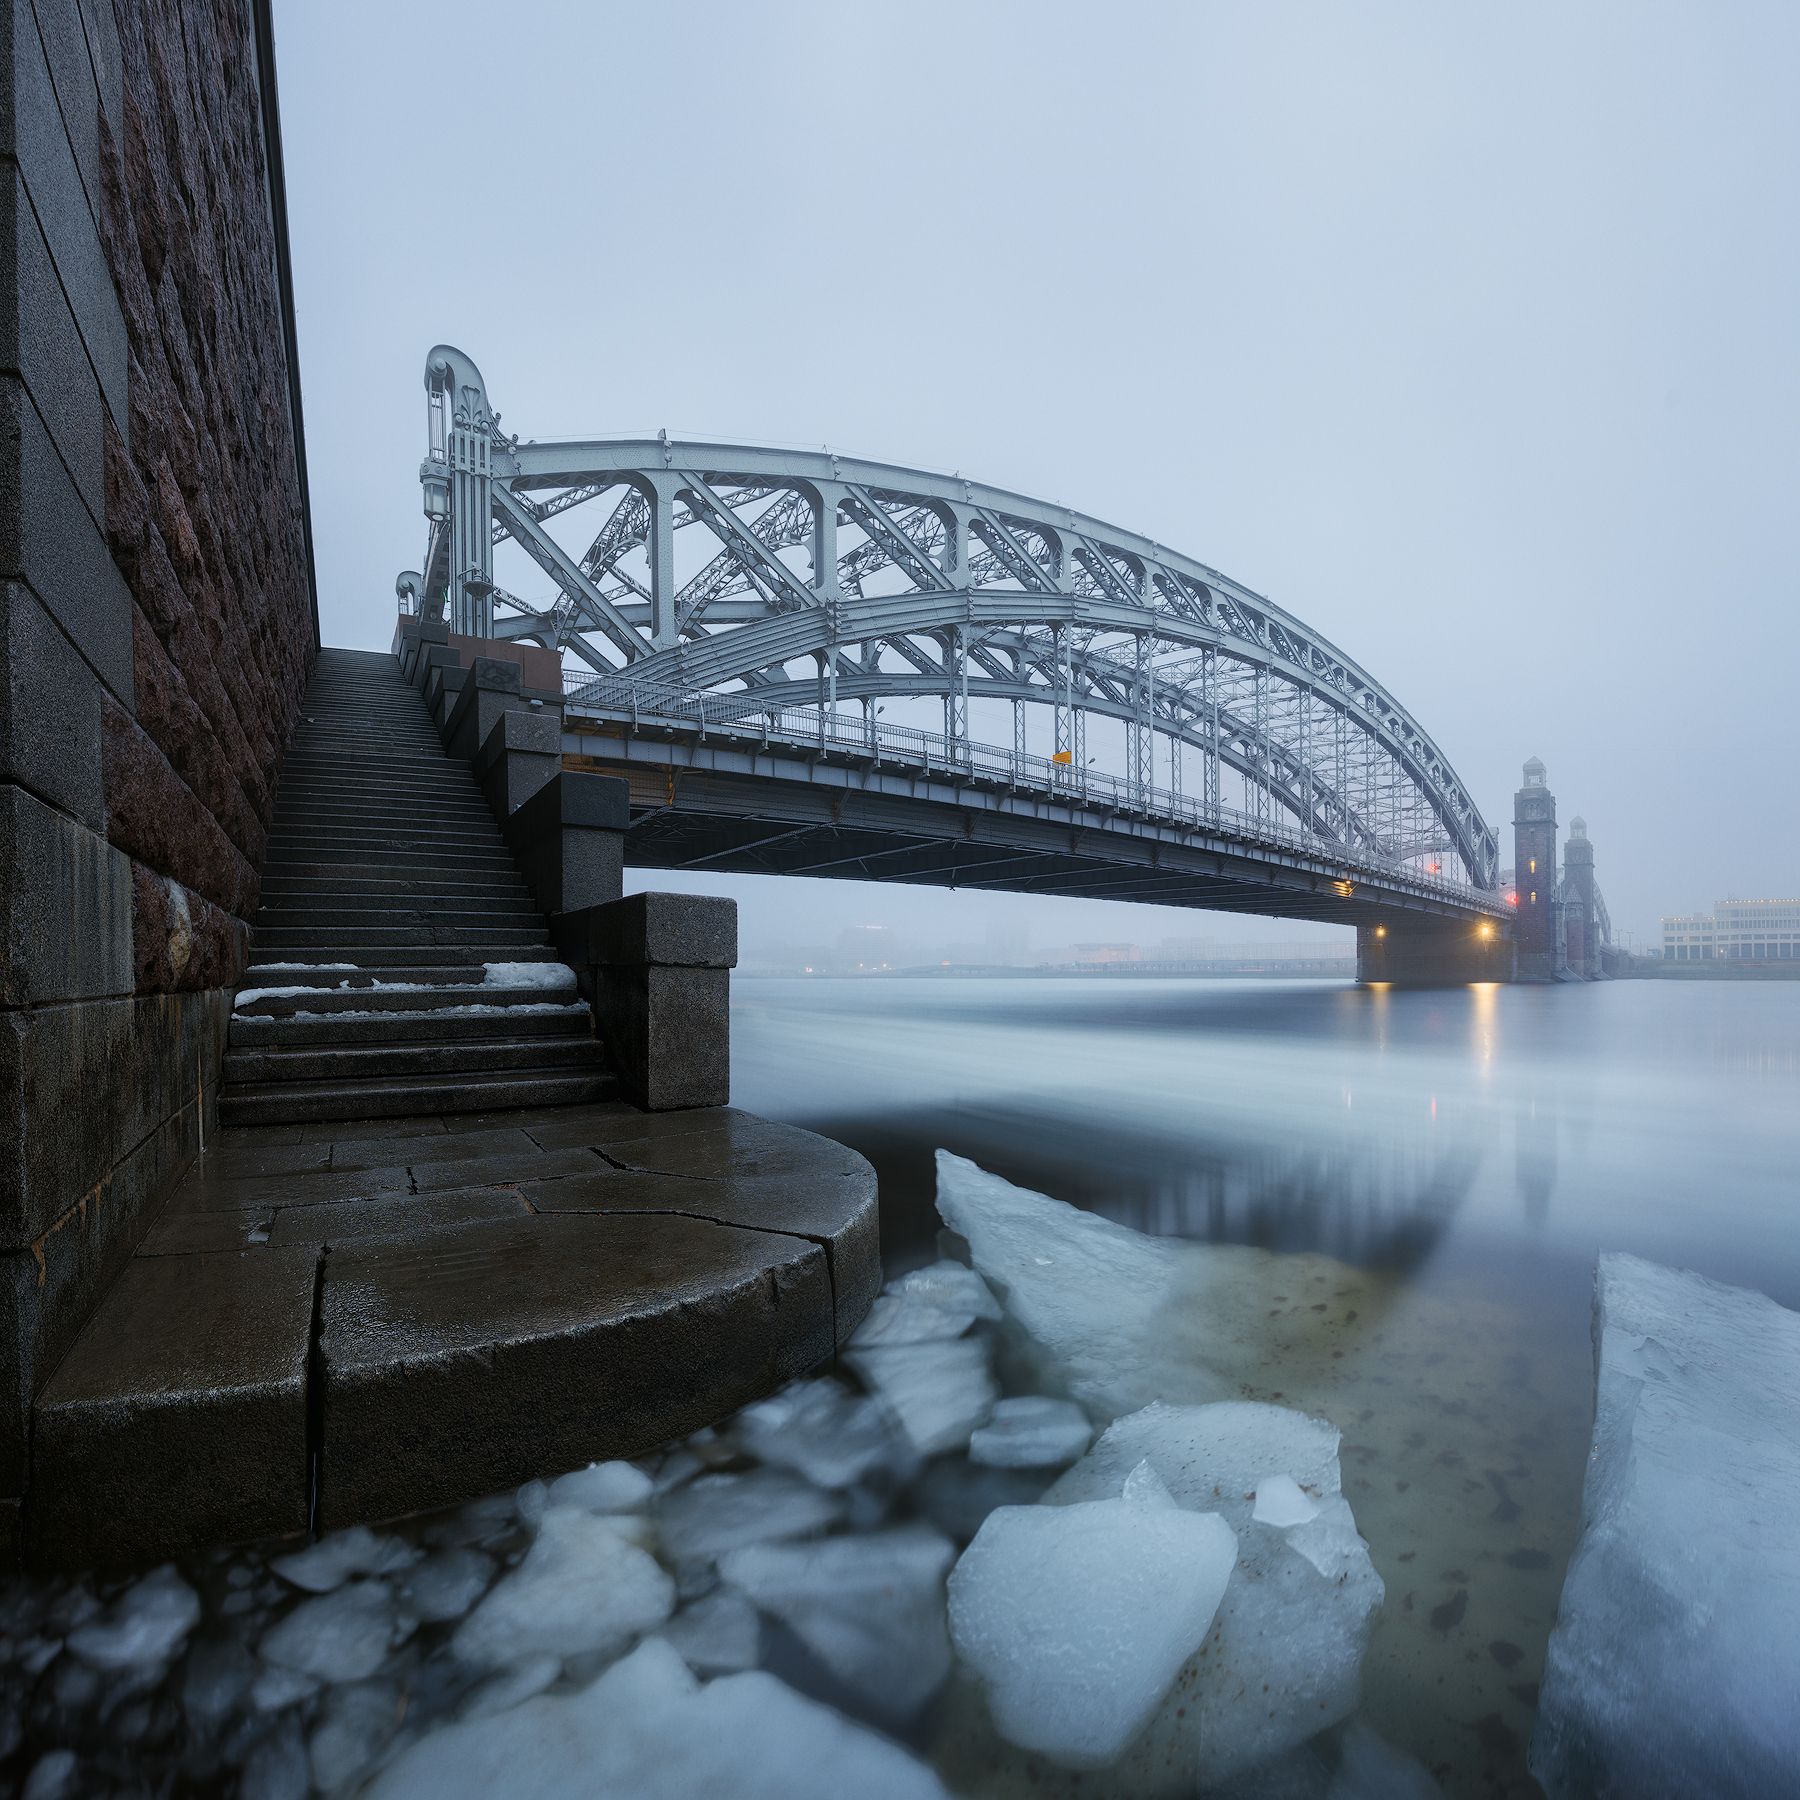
{"x": 824, "y": 730}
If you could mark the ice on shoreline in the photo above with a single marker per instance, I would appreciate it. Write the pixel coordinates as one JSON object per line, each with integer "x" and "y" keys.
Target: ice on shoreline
{"x": 1078, "y": 1618}
{"x": 1674, "y": 1667}
{"x": 647, "y": 1728}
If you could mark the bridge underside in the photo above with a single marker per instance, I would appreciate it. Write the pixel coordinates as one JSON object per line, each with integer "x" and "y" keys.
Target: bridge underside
{"x": 734, "y": 811}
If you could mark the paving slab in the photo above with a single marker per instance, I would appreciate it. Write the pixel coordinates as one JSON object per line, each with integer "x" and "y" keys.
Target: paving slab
{"x": 202, "y": 1191}
{"x": 463, "y": 1362}
{"x": 343, "y": 1221}
{"x": 178, "y": 1419}
{"x": 413, "y": 1316}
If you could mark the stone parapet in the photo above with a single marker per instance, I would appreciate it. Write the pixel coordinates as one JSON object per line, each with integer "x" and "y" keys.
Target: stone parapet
{"x": 659, "y": 967}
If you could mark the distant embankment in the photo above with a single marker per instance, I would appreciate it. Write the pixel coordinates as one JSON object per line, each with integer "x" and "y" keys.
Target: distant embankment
{"x": 1650, "y": 968}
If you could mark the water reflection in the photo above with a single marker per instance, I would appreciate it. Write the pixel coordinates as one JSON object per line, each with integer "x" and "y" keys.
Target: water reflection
{"x": 1393, "y": 1128}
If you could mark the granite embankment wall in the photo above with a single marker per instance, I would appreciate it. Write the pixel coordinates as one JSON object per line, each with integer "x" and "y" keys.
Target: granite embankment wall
{"x": 159, "y": 617}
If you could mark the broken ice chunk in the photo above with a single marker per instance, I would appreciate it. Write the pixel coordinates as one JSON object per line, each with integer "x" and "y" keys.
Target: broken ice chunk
{"x": 1031, "y": 1432}
{"x": 718, "y": 1634}
{"x": 1078, "y": 1618}
{"x": 1297, "y": 1612}
{"x": 869, "y": 1606}
{"x": 445, "y": 1586}
{"x": 147, "y": 1624}
{"x": 939, "y": 1392}
{"x": 820, "y": 1430}
{"x": 711, "y": 1514}
{"x": 1281, "y": 1502}
{"x": 608, "y": 1487}
{"x": 333, "y": 1560}
{"x": 582, "y": 1589}
{"x": 646, "y": 1728}
{"x": 341, "y": 1636}
{"x": 926, "y": 1305}
{"x": 354, "y": 1727}
{"x": 1370, "y": 1768}
{"x": 502, "y": 1692}
{"x": 1674, "y": 1667}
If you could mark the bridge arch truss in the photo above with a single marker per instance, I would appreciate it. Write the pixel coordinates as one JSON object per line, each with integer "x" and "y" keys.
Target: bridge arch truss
{"x": 769, "y": 578}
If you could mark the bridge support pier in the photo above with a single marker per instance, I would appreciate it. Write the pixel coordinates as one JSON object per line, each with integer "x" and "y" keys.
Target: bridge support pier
{"x": 1434, "y": 953}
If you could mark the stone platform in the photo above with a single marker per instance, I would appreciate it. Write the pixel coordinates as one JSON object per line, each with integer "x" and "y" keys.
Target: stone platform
{"x": 348, "y": 1321}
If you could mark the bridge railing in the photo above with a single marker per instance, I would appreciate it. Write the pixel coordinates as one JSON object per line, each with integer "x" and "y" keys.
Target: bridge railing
{"x": 741, "y": 716}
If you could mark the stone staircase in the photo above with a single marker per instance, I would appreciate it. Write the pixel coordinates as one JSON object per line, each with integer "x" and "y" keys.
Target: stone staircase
{"x": 399, "y": 963}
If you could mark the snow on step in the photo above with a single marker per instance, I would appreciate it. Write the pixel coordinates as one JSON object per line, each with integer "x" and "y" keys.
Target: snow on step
{"x": 1674, "y": 1667}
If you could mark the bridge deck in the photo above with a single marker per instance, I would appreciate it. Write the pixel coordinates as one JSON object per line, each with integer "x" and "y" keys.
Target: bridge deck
{"x": 741, "y": 803}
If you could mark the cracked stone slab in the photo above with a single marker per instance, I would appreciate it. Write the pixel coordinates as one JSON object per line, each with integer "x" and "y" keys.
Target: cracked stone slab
{"x": 203, "y": 1192}
{"x": 393, "y": 1216}
{"x": 614, "y": 1122}
{"x": 179, "y": 1417}
{"x": 422, "y": 1147}
{"x": 465, "y": 1361}
{"x": 489, "y": 1171}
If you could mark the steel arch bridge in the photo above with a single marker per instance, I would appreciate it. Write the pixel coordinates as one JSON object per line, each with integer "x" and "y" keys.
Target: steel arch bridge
{"x": 746, "y": 614}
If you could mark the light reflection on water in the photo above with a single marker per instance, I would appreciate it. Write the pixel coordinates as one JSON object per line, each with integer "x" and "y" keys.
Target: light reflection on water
{"x": 1471, "y": 1149}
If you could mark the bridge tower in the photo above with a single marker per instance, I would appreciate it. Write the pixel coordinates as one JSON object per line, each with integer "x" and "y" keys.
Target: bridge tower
{"x": 1535, "y": 934}
{"x": 1581, "y": 935}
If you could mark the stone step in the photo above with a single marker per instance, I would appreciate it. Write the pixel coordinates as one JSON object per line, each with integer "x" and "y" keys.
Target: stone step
{"x": 455, "y": 791}
{"x": 306, "y": 881}
{"x": 330, "y": 763}
{"x": 379, "y": 807}
{"x": 409, "y": 837}
{"x": 347, "y": 1063}
{"x": 290, "y": 1102}
{"x": 256, "y": 1031}
{"x": 332, "y": 975}
{"x": 505, "y": 914}
{"x": 321, "y": 940}
{"x": 278, "y": 1002}
{"x": 329, "y": 888}
{"x": 357, "y": 857}
{"x": 408, "y": 956}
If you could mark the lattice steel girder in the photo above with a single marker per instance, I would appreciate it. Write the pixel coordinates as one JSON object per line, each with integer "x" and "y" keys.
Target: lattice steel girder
{"x": 995, "y": 559}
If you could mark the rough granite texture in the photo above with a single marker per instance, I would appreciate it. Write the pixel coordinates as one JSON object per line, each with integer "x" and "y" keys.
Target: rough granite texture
{"x": 158, "y": 623}
{"x": 203, "y": 512}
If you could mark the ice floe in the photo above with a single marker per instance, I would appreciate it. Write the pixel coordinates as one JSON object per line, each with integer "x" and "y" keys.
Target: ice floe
{"x": 649, "y": 1729}
{"x": 718, "y": 1634}
{"x": 1031, "y": 1431}
{"x": 333, "y": 1560}
{"x": 608, "y": 1487}
{"x": 923, "y": 1305}
{"x": 820, "y": 1431}
{"x": 1674, "y": 1667}
{"x": 938, "y": 1391}
{"x": 341, "y": 1636}
{"x": 1078, "y": 1618}
{"x": 147, "y": 1624}
{"x": 869, "y": 1606}
{"x": 582, "y": 1589}
{"x": 1294, "y": 1622}
{"x": 712, "y": 1514}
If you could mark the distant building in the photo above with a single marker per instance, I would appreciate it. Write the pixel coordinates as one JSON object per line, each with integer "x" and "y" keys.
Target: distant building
{"x": 1537, "y": 929}
{"x": 1735, "y": 930}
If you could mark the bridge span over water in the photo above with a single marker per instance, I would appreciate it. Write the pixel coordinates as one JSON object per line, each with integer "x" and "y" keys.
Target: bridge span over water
{"x": 806, "y": 663}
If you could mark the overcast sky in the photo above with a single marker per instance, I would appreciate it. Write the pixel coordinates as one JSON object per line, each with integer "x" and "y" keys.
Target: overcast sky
{"x": 1470, "y": 335}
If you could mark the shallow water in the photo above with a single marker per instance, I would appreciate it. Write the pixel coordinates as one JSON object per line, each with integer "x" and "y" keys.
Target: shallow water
{"x": 1422, "y": 1180}
{"x": 1467, "y": 1152}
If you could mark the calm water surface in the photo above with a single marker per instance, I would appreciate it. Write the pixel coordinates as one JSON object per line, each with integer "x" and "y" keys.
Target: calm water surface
{"x": 1467, "y": 1152}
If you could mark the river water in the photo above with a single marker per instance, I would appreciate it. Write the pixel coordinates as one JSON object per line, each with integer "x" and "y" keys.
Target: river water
{"x": 1377, "y": 1207}
{"x": 1467, "y": 1152}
